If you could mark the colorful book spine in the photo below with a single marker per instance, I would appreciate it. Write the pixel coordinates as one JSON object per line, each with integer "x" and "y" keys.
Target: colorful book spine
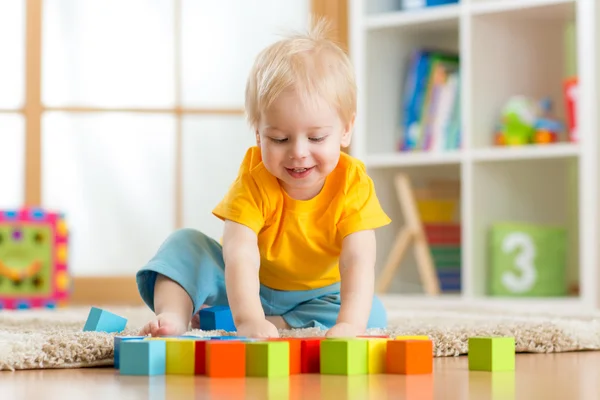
{"x": 431, "y": 102}
{"x": 445, "y": 246}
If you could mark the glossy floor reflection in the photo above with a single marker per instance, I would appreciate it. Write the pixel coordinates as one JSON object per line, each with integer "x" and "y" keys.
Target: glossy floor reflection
{"x": 538, "y": 376}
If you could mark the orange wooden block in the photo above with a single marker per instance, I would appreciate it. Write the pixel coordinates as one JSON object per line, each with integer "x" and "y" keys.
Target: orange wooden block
{"x": 409, "y": 357}
{"x": 225, "y": 359}
{"x": 295, "y": 353}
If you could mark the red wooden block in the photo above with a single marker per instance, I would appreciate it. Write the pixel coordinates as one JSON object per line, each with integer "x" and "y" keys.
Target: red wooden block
{"x": 310, "y": 358}
{"x": 200, "y": 357}
{"x": 225, "y": 359}
{"x": 409, "y": 357}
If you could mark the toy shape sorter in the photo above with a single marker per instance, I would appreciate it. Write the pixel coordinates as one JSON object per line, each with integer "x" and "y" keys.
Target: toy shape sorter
{"x": 33, "y": 259}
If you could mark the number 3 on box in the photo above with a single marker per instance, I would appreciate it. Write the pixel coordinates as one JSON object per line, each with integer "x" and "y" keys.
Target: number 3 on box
{"x": 523, "y": 262}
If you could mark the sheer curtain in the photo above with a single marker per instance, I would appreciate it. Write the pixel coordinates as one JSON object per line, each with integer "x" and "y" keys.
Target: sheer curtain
{"x": 114, "y": 174}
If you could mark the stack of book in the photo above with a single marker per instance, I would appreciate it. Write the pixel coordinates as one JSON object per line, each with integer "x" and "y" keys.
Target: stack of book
{"x": 444, "y": 244}
{"x": 431, "y": 102}
{"x": 438, "y": 204}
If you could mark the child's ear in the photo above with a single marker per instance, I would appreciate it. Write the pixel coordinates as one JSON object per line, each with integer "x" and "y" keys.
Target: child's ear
{"x": 347, "y": 134}
{"x": 257, "y": 138}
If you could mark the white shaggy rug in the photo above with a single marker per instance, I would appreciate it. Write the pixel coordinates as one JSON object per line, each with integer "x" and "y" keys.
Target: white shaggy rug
{"x": 54, "y": 338}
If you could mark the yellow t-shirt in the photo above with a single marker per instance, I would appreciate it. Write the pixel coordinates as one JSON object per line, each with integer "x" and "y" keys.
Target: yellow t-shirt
{"x": 300, "y": 241}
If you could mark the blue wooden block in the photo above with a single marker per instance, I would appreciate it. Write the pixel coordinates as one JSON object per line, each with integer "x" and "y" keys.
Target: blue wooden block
{"x": 117, "y": 346}
{"x": 217, "y": 317}
{"x": 104, "y": 321}
{"x": 431, "y": 3}
{"x": 143, "y": 357}
{"x": 228, "y": 337}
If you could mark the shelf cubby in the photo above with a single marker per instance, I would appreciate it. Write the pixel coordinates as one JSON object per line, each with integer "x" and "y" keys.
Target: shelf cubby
{"x": 517, "y": 51}
{"x": 542, "y": 193}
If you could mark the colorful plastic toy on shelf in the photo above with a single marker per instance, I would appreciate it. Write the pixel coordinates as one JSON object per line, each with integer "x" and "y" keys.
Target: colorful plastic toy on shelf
{"x": 547, "y": 128}
{"x": 33, "y": 259}
{"x": 571, "y": 89}
{"x": 525, "y": 122}
{"x": 518, "y": 119}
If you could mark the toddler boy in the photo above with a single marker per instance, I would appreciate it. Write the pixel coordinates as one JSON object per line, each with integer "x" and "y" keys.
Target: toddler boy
{"x": 298, "y": 247}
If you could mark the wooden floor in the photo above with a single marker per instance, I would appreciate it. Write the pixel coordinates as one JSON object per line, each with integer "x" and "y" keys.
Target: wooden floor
{"x": 565, "y": 376}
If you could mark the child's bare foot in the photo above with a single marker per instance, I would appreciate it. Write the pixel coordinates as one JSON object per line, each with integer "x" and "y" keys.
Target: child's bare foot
{"x": 165, "y": 324}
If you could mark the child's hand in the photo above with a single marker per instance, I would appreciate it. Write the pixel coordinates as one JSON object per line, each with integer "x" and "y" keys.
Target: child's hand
{"x": 165, "y": 324}
{"x": 257, "y": 329}
{"x": 342, "y": 329}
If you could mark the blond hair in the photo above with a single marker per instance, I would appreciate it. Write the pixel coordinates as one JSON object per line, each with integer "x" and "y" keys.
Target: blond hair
{"x": 309, "y": 63}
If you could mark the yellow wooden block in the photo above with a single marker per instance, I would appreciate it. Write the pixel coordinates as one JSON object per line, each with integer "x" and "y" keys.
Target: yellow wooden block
{"x": 180, "y": 357}
{"x": 421, "y": 337}
{"x": 376, "y": 353}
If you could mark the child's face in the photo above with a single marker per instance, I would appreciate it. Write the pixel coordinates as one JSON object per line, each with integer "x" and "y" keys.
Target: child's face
{"x": 300, "y": 143}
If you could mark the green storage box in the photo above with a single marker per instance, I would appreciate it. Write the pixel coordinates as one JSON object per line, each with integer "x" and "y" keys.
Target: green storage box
{"x": 528, "y": 260}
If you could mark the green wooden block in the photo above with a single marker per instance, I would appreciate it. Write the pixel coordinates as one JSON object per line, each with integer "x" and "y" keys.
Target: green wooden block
{"x": 492, "y": 354}
{"x": 268, "y": 358}
{"x": 344, "y": 357}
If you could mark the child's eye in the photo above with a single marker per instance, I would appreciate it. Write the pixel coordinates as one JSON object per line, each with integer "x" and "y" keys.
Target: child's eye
{"x": 278, "y": 140}
{"x": 318, "y": 139}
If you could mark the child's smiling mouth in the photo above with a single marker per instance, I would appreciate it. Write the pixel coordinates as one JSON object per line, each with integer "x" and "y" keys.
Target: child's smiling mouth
{"x": 299, "y": 173}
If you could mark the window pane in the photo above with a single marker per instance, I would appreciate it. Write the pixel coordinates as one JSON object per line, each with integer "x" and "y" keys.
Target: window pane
{"x": 12, "y": 160}
{"x": 113, "y": 176}
{"x": 12, "y": 53}
{"x": 108, "y": 53}
{"x": 213, "y": 148}
{"x": 220, "y": 40}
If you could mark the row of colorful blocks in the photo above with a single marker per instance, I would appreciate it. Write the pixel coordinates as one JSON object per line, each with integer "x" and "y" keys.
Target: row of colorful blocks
{"x": 211, "y": 318}
{"x": 231, "y": 356}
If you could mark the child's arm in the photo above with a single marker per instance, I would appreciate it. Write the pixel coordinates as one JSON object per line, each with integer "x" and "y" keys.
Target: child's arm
{"x": 357, "y": 270}
{"x": 242, "y": 261}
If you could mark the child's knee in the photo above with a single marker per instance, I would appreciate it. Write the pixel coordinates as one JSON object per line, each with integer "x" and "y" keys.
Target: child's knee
{"x": 187, "y": 235}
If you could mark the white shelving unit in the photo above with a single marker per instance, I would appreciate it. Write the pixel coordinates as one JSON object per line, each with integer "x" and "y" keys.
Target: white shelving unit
{"x": 506, "y": 47}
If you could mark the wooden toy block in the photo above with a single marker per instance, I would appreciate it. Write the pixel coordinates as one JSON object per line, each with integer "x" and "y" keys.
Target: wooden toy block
{"x": 373, "y": 337}
{"x": 104, "y": 321}
{"x": 226, "y": 359}
{"x": 491, "y": 354}
{"x": 310, "y": 355}
{"x": 344, "y": 357}
{"x": 268, "y": 359}
{"x": 228, "y": 338}
{"x": 117, "y": 346}
{"x": 143, "y": 357}
{"x": 181, "y": 356}
{"x": 217, "y": 317}
{"x": 200, "y": 357}
{"x": 416, "y": 337}
{"x": 408, "y": 357}
{"x": 295, "y": 353}
{"x": 376, "y": 353}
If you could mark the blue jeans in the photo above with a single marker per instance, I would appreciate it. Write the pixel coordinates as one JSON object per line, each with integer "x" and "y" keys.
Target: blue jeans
{"x": 195, "y": 262}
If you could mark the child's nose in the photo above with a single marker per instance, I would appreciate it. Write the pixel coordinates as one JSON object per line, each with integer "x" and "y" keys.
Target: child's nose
{"x": 299, "y": 150}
